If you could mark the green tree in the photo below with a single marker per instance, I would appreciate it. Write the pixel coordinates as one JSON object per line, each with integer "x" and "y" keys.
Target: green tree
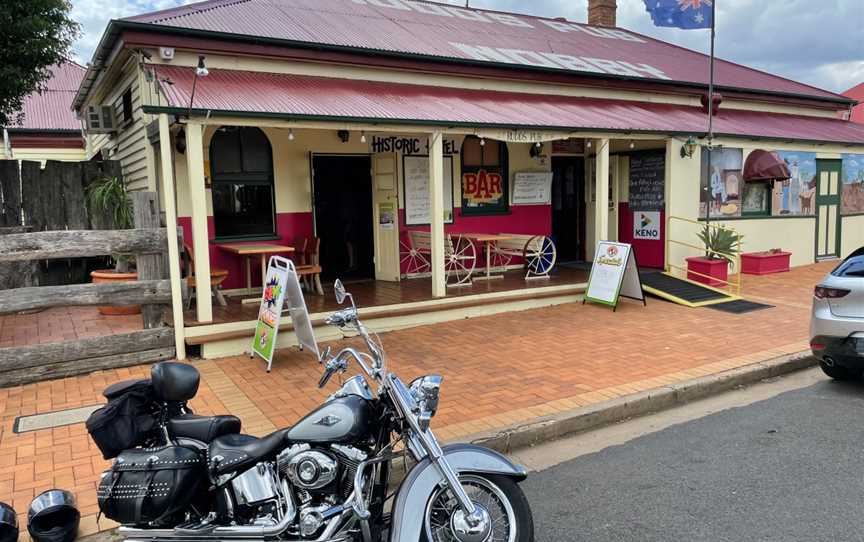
{"x": 34, "y": 35}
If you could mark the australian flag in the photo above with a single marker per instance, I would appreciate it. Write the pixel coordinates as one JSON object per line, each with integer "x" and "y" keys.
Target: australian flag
{"x": 686, "y": 14}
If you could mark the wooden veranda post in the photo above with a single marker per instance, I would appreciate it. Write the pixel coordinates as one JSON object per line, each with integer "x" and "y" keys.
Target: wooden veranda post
{"x": 166, "y": 157}
{"x": 436, "y": 193}
{"x": 601, "y": 210}
{"x": 200, "y": 240}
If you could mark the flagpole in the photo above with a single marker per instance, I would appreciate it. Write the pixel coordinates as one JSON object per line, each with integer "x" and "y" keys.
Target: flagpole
{"x": 710, "y": 115}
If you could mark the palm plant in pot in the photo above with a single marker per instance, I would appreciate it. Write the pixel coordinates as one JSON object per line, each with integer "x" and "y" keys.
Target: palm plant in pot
{"x": 108, "y": 202}
{"x": 722, "y": 244}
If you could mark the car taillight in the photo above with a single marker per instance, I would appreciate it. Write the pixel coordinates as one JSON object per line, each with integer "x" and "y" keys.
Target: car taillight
{"x": 817, "y": 346}
{"x": 824, "y": 292}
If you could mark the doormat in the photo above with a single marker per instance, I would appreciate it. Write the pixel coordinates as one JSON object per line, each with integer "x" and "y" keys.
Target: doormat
{"x": 740, "y": 306}
{"x": 35, "y": 422}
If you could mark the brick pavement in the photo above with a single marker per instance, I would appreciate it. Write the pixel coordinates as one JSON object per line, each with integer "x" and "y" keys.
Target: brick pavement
{"x": 62, "y": 324}
{"x": 498, "y": 370}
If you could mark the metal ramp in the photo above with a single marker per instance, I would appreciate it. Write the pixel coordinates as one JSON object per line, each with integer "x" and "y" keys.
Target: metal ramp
{"x": 684, "y": 292}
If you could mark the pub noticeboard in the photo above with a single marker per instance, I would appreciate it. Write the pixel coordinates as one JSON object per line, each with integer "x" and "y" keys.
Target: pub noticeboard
{"x": 614, "y": 274}
{"x": 648, "y": 181}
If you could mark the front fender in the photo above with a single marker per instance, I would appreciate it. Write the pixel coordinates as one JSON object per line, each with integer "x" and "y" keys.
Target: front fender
{"x": 421, "y": 481}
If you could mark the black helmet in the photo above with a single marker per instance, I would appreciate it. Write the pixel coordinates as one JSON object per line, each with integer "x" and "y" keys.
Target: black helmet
{"x": 53, "y": 517}
{"x": 8, "y": 523}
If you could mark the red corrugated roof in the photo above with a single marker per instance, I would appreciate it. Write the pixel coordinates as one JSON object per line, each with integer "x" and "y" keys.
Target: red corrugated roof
{"x": 455, "y": 33}
{"x": 857, "y": 94}
{"x": 50, "y": 109}
{"x": 329, "y": 98}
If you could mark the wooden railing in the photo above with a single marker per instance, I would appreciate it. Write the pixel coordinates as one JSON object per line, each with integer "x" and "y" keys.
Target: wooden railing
{"x": 152, "y": 291}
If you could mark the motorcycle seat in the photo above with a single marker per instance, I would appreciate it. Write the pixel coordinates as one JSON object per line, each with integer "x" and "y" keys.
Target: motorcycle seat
{"x": 234, "y": 453}
{"x": 203, "y": 428}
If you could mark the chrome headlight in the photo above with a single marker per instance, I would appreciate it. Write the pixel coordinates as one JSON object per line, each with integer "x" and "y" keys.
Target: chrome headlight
{"x": 425, "y": 392}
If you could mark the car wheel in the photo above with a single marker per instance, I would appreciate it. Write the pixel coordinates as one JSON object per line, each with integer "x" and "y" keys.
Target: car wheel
{"x": 840, "y": 373}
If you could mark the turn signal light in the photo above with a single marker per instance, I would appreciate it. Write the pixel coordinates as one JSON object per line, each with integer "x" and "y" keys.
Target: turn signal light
{"x": 823, "y": 292}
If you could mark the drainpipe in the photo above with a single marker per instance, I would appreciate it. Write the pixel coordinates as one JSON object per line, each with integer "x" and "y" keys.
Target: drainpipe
{"x": 7, "y": 148}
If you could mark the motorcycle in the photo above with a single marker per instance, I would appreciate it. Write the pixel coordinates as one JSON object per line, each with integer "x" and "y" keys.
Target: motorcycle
{"x": 328, "y": 477}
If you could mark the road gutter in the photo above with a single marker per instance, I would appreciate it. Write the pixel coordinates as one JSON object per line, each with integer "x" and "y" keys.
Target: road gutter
{"x": 556, "y": 426}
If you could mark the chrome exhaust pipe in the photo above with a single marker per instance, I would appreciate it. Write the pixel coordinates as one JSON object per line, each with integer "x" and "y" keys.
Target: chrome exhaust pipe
{"x": 828, "y": 361}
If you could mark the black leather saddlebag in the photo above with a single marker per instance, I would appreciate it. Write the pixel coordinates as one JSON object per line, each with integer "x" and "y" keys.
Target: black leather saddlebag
{"x": 150, "y": 484}
{"x": 126, "y": 421}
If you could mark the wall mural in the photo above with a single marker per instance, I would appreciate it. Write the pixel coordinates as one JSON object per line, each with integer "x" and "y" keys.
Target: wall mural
{"x": 721, "y": 183}
{"x": 795, "y": 196}
{"x": 853, "y": 184}
{"x": 729, "y": 195}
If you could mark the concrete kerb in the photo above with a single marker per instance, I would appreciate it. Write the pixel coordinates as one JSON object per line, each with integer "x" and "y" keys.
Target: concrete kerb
{"x": 556, "y": 426}
{"x": 616, "y": 410}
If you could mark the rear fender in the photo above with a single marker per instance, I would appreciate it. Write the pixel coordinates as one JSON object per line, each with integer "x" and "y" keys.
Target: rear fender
{"x": 421, "y": 481}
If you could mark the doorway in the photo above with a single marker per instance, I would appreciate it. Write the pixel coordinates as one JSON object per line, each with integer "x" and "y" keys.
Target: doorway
{"x": 568, "y": 207}
{"x": 342, "y": 187}
{"x": 828, "y": 220}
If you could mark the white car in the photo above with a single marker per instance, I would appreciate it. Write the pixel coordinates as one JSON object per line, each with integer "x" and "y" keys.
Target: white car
{"x": 837, "y": 321}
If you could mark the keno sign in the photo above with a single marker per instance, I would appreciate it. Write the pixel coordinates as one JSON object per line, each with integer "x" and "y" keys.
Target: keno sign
{"x": 646, "y": 225}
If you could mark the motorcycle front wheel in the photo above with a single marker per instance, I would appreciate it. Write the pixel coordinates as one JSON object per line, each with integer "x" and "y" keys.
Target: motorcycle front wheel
{"x": 508, "y": 512}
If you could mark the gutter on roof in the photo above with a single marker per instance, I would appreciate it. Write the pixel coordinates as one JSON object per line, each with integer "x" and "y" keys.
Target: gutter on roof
{"x": 164, "y": 29}
{"x": 207, "y": 113}
{"x": 96, "y": 65}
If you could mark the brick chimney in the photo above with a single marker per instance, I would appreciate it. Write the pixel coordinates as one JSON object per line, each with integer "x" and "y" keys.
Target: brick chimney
{"x": 602, "y": 12}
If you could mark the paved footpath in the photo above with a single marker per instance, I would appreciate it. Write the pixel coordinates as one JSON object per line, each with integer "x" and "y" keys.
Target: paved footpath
{"x": 499, "y": 370}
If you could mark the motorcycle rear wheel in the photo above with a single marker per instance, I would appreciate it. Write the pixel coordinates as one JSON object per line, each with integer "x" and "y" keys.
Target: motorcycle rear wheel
{"x": 508, "y": 508}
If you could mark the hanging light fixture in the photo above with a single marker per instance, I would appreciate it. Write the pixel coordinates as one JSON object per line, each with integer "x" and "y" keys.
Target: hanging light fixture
{"x": 688, "y": 148}
{"x": 632, "y": 144}
{"x": 290, "y": 134}
{"x": 539, "y": 145}
{"x": 588, "y": 144}
{"x": 482, "y": 141}
{"x": 363, "y": 137}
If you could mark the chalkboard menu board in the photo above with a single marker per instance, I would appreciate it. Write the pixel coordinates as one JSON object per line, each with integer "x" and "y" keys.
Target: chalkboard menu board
{"x": 648, "y": 181}
{"x": 417, "y": 199}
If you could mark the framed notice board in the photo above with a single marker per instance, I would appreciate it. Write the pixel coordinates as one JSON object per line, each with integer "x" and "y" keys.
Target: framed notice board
{"x": 648, "y": 181}
{"x": 416, "y": 184}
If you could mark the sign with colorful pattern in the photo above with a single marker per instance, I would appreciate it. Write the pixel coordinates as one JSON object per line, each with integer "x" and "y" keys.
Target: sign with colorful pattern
{"x": 270, "y": 311}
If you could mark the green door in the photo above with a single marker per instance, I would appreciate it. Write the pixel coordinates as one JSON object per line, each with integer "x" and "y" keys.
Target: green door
{"x": 828, "y": 219}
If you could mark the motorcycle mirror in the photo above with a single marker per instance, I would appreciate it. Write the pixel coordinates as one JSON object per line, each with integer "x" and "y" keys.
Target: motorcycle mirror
{"x": 340, "y": 291}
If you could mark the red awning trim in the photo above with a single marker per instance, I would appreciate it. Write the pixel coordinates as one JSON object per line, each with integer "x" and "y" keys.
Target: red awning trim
{"x": 262, "y": 94}
{"x": 764, "y": 165}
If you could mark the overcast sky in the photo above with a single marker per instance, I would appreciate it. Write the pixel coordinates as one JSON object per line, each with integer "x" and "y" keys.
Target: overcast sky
{"x": 819, "y": 42}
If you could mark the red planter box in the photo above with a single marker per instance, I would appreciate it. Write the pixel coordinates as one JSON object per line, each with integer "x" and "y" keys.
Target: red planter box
{"x": 764, "y": 263}
{"x": 717, "y": 270}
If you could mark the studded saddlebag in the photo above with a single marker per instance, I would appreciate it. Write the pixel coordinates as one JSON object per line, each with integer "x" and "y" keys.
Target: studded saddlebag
{"x": 147, "y": 485}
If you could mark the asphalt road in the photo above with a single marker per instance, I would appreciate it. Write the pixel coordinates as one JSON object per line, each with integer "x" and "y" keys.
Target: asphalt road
{"x": 787, "y": 468}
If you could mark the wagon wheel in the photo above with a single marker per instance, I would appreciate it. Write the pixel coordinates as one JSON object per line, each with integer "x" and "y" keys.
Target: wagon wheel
{"x": 540, "y": 256}
{"x": 461, "y": 258}
{"x": 412, "y": 261}
{"x": 498, "y": 258}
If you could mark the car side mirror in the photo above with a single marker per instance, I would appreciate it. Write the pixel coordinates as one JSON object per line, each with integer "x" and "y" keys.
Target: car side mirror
{"x": 341, "y": 294}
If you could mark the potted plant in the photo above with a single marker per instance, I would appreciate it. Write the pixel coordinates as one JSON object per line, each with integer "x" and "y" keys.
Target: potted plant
{"x": 108, "y": 199}
{"x": 721, "y": 245}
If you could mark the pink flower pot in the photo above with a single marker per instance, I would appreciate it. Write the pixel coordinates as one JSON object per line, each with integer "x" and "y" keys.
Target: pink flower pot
{"x": 764, "y": 263}
{"x": 717, "y": 270}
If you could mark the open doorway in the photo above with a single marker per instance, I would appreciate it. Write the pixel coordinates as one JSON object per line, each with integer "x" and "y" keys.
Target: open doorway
{"x": 568, "y": 207}
{"x": 343, "y": 215}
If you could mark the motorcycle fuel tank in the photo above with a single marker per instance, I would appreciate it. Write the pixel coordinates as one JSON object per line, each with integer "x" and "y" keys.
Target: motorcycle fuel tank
{"x": 342, "y": 420}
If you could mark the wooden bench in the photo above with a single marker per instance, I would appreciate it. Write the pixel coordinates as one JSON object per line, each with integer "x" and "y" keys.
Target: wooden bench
{"x": 460, "y": 257}
{"x": 537, "y": 252}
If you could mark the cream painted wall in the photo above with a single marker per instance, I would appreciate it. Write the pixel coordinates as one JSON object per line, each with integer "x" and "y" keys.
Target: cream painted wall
{"x": 292, "y": 172}
{"x": 793, "y": 234}
{"x": 852, "y": 235}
